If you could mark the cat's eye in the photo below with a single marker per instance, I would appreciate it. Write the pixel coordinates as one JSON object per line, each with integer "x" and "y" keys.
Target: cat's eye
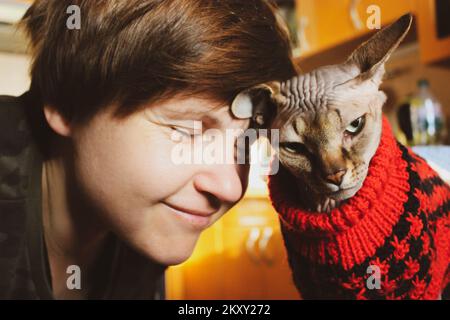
{"x": 356, "y": 126}
{"x": 294, "y": 147}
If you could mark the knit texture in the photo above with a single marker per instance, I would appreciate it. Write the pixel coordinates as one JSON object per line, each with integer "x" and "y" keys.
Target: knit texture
{"x": 398, "y": 221}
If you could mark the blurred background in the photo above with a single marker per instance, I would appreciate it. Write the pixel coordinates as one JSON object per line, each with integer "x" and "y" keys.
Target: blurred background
{"x": 242, "y": 256}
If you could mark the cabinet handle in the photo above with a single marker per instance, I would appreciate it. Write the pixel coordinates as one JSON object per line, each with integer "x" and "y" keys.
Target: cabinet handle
{"x": 354, "y": 15}
{"x": 251, "y": 242}
{"x": 263, "y": 242}
{"x": 302, "y": 38}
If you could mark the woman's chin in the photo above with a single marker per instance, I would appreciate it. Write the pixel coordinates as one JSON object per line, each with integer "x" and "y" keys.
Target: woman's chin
{"x": 170, "y": 253}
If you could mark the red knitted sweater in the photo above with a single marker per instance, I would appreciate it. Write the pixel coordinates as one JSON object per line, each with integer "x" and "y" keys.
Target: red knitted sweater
{"x": 399, "y": 221}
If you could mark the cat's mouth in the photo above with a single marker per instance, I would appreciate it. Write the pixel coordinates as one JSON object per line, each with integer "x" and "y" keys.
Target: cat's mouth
{"x": 338, "y": 191}
{"x": 342, "y": 193}
{"x": 319, "y": 190}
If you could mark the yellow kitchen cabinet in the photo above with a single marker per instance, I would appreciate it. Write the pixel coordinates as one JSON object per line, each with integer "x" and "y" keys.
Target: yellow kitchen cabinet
{"x": 434, "y": 29}
{"x": 324, "y": 24}
{"x": 241, "y": 257}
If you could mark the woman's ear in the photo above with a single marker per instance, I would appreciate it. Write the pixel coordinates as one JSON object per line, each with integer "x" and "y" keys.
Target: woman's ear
{"x": 56, "y": 121}
{"x": 258, "y": 103}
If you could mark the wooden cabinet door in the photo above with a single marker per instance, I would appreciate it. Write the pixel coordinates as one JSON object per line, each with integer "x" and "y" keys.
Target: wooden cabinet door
{"x": 256, "y": 265}
{"x": 434, "y": 45}
{"x": 324, "y": 24}
{"x": 241, "y": 257}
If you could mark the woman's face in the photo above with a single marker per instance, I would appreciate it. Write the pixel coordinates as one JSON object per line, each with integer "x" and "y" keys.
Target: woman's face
{"x": 128, "y": 170}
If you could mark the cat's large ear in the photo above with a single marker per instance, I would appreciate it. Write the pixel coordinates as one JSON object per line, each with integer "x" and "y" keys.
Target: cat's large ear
{"x": 371, "y": 56}
{"x": 258, "y": 103}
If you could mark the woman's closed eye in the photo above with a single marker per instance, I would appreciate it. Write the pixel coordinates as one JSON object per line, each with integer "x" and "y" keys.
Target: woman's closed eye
{"x": 184, "y": 133}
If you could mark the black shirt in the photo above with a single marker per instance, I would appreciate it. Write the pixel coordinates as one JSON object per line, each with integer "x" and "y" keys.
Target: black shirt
{"x": 119, "y": 271}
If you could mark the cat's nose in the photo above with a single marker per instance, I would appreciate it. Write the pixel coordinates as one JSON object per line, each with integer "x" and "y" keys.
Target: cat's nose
{"x": 336, "y": 178}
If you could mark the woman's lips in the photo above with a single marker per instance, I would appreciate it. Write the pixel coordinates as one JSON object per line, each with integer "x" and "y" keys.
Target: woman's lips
{"x": 198, "y": 219}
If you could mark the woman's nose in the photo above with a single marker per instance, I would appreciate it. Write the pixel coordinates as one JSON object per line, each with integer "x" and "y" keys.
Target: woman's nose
{"x": 226, "y": 182}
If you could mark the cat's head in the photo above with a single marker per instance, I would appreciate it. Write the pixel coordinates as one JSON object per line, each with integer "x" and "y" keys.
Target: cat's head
{"x": 329, "y": 119}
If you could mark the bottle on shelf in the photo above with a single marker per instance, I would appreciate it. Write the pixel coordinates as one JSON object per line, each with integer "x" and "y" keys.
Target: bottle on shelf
{"x": 427, "y": 120}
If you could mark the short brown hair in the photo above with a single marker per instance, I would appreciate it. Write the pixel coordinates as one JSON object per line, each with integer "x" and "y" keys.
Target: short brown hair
{"x": 136, "y": 51}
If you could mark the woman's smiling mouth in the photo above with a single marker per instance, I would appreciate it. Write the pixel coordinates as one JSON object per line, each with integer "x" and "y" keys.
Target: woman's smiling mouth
{"x": 198, "y": 219}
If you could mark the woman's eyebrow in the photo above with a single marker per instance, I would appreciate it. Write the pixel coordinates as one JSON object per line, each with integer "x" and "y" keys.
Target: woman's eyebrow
{"x": 205, "y": 116}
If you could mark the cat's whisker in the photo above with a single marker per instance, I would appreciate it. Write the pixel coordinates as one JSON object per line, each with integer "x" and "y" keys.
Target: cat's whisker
{"x": 332, "y": 204}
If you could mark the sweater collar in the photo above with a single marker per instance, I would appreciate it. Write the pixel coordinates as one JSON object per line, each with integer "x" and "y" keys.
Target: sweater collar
{"x": 380, "y": 200}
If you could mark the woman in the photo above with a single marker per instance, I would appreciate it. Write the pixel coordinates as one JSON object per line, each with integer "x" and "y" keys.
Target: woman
{"x": 91, "y": 203}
